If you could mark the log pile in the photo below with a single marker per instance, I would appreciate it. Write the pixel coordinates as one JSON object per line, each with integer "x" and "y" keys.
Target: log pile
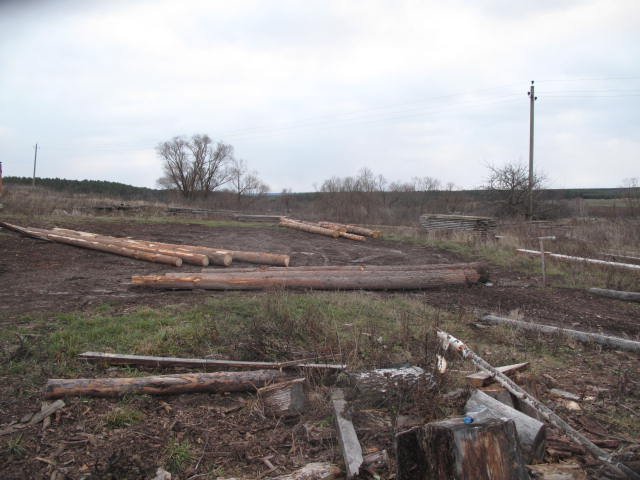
{"x": 158, "y": 252}
{"x": 415, "y": 277}
{"x": 436, "y": 222}
{"x": 330, "y": 229}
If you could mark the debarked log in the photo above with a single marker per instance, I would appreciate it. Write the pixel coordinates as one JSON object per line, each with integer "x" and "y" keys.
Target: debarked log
{"x": 115, "y": 249}
{"x": 362, "y": 280}
{"x": 305, "y": 227}
{"x": 163, "y": 384}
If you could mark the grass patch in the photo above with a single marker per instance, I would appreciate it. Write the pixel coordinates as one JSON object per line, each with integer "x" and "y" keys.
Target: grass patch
{"x": 121, "y": 417}
{"x": 15, "y": 447}
{"x": 179, "y": 455}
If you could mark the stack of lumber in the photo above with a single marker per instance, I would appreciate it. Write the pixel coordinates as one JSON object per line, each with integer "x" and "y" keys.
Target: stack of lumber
{"x": 167, "y": 253}
{"x": 435, "y": 222}
{"x": 328, "y": 229}
{"x": 409, "y": 277}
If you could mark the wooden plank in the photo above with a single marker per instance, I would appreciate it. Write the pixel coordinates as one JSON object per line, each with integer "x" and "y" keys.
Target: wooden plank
{"x": 347, "y": 437}
{"x": 482, "y": 379}
{"x": 204, "y": 363}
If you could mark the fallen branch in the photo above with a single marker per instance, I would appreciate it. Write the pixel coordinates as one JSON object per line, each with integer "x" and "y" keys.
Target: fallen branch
{"x": 481, "y": 379}
{"x": 163, "y": 384}
{"x": 586, "y": 337}
{"x": 570, "y": 258}
{"x": 617, "y": 294}
{"x": 546, "y": 413}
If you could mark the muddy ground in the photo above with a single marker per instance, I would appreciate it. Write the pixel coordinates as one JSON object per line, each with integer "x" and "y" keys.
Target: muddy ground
{"x": 39, "y": 278}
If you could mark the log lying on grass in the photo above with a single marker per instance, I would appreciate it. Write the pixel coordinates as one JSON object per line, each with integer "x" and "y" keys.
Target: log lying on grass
{"x": 163, "y": 384}
{"x": 569, "y": 258}
{"x": 531, "y": 432}
{"x": 617, "y": 294}
{"x": 305, "y": 227}
{"x": 297, "y": 278}
{"x": 204, "y": 363}
{"x": 450, "y": 449}
{"x": 585, "y": 337}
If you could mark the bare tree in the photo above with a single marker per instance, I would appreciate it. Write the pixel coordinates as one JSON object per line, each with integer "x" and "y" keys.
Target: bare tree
{"x": 509, "y": 185}
{"x": 245, "y": 183}
{"x": 178, "y": 168}
{"x": 196, "y": 165}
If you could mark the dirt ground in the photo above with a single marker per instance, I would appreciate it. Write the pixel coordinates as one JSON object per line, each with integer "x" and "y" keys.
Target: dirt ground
{"x": 37, "y": 277}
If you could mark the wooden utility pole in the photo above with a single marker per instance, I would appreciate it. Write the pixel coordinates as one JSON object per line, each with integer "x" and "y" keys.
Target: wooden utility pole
{"x": 35, "y": 159}
{"x": 532, "y": 99}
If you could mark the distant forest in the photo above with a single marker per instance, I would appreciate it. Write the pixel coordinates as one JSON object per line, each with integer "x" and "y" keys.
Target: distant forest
{"x": 102, "y": 187}
{"x": 91, "y": 187}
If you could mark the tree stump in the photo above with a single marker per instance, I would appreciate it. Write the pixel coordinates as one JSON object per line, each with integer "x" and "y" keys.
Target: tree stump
{"x": 286, "y": 399}
{"x": 452, "y": 450}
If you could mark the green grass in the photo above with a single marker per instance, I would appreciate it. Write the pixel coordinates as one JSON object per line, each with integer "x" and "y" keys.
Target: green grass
{"x": 179, "y": 455}
{"x": 121, "y": 417}
{"x": 15, "y": 447}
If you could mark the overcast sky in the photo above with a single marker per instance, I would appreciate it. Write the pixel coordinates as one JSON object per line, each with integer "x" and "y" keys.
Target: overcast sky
{"x": 305, "y": 89}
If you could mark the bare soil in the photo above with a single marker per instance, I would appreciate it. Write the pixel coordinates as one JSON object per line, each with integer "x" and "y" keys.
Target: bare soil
{"x": 229, "y": 431}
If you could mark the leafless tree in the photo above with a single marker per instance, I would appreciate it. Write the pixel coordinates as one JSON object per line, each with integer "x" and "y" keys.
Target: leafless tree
{"x": 509, "y": 185}
{"x": 245, "y": 183}
{"x": 196, "y": 166}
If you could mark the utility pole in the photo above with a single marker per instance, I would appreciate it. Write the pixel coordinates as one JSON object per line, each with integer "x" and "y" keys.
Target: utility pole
{"x": 532, "y": 99}
{"x": 35, "y": 159}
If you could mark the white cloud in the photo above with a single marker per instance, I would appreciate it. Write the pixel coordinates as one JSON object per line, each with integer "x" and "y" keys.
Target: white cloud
{"x": 97, "y": 84}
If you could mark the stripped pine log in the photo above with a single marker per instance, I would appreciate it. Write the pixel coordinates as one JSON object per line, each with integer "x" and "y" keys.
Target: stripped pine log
{"x": 305, "y": 227}
{"x": 192, "y": 258}
{"x": 585, "y": 337}
{"x": 480, "y": 267}
{"x": 482, "y": 379}
{"x": 353, "y": 280}
{"x": 546, "y": 413}
{"x": 285, "y": 399}
{"x": 163, "y": 384}
{"x": 347, "y": 437}
{"x": 205, "y": 363}
{"x": 617, "y": 294}
{"x": 217, "y": 256}
{"x": 531, "y": 432}
{"x": 110, "y": 248}
{"x": 214, "y": 256}
{"x": 357, "y": 229}
{"x": 569, "y": 258}
{"x": 450, "y": 449}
